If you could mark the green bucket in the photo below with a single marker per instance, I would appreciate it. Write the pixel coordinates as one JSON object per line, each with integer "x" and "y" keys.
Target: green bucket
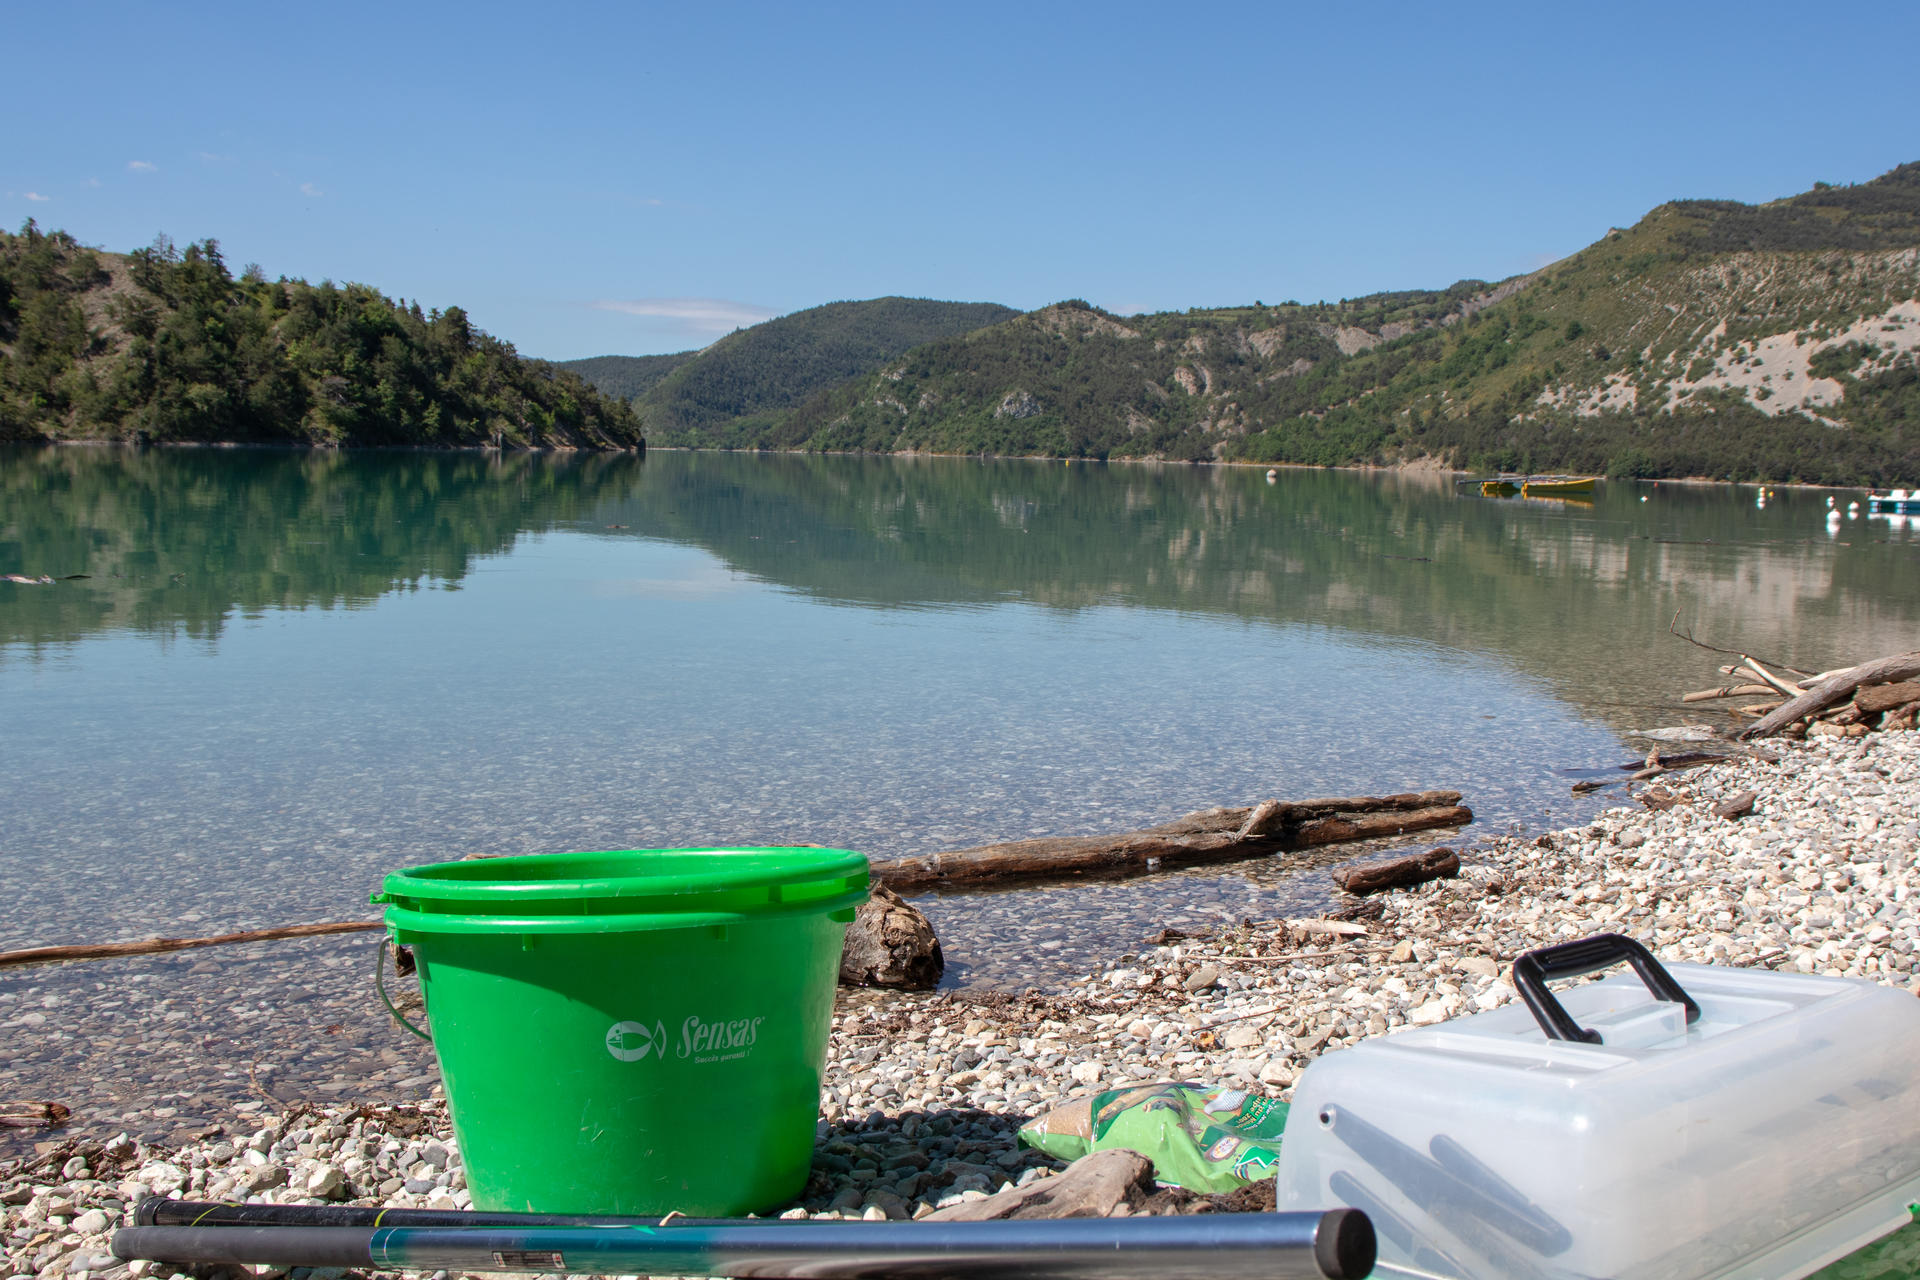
{"x": 631, "y": 1032}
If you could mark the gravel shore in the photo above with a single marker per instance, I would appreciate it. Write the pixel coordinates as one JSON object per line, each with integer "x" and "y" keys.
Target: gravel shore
{"x": 924, "y": 1091}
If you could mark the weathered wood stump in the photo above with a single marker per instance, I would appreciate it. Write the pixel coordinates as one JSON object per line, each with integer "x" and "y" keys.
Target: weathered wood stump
{"x": 891, "y": 944}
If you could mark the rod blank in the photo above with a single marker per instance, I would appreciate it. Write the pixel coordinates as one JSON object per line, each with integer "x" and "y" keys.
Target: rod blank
{"x": 161, "y": 1211}
{"x": 1337, "y": 1244}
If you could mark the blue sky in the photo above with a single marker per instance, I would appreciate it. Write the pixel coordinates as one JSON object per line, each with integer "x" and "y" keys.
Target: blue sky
{"x": 637, "y": 178}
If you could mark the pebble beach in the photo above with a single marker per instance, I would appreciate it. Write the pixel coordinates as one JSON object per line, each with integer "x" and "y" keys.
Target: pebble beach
{"x": 924, "y": 1091}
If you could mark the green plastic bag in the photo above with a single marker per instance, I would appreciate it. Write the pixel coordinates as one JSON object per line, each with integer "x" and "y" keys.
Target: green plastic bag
{"x": 1204, "y": 1139}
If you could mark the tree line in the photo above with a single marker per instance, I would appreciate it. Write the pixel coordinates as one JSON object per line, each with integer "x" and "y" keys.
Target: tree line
{"x": 166, "y": 344}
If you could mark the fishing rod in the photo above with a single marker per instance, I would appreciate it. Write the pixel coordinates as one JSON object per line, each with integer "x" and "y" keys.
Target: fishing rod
{"x": 1335, "y": 1244}
{"x": 160, "y": 1211}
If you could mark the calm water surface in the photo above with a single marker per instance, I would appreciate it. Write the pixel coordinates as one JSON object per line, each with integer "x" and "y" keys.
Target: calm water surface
{"x": 290, "y": 673}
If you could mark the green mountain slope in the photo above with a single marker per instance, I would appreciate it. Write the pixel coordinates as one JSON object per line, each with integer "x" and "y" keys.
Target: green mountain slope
{"x": 733, "y": 389}
{"x": 163, "y": 344}
{"x": 1775, "y": 341}
{"x": 625, "y": 377}
{"x": 1071, "y": 380}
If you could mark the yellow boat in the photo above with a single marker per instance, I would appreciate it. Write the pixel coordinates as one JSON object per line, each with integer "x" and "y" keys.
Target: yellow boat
{"x": 1556, "y": 486}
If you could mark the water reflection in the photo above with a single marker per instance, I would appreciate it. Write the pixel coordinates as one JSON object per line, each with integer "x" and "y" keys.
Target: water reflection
{"x": 1580, "y": 594}
{"x": 175, "y": 542}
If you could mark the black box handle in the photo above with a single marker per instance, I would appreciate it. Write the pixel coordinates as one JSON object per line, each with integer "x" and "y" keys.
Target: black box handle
{"x": 1533, "y": 970}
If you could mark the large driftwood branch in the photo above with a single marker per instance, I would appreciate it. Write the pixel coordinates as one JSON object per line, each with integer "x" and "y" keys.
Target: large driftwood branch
{"x": 1673, "y": 629}
{"x": 1904, "y": 666}
{"x": 1212, "y": 835}
{"x": 155, "y": 946}
{"x": 1782, "y": 686}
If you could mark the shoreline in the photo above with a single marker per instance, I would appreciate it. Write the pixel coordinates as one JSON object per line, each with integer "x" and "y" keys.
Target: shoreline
{"x": 1422, "y": 466}
{"x": 923, "y": 1091}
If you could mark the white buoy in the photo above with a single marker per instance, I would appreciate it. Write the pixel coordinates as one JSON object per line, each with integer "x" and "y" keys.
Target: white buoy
{"x": 1853, "y": 509}
{"x": 1273, "y": 477}
{"x": 1643, "y": 497}
{"x": 1829, "y": 502}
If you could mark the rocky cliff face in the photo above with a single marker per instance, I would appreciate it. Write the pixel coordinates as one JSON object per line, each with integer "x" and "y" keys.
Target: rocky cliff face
{"x": 1781, "y": 332}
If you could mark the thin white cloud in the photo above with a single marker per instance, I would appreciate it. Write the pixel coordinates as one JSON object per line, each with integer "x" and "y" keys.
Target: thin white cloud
{"x": 308, "y": 189}
{"x": 696, "y": 315}
{"x": 143, "y": 166}
{"x": 37, "y": 198}
{"x": 93, "y": 182}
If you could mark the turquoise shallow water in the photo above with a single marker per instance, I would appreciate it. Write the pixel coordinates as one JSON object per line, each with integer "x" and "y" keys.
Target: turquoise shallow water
{"x": 286, "y": 674}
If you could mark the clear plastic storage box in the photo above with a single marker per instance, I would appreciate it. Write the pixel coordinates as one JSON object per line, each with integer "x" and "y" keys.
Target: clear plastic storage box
{"x": 1739, "y": 1123}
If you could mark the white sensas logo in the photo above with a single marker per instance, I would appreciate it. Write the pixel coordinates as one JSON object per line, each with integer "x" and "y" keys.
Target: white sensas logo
{"x": 632, "y": 1041}
{"x": 697, "y": 1037}
{"x": 700, "y": 1040}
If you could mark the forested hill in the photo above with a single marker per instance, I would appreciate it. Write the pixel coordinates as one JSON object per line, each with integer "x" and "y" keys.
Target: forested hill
{"x": 729, "y": 393}
{"x": 1776, "y": 341}
{"x": 165, "y": 344}
{"x": 625, "y": 377}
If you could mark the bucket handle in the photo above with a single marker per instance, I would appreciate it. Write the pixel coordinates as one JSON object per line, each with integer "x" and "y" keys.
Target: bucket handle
{"x": 380, "y": 985}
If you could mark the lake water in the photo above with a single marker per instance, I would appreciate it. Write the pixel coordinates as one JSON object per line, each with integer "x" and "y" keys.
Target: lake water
{"x": 289, "y": 673}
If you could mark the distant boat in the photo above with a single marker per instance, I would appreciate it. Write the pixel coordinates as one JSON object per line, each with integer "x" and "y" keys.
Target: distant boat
{"x": 1506, "y": 486}
{"x": 1556, "y": 486}
{"x": 1894, "y": 502}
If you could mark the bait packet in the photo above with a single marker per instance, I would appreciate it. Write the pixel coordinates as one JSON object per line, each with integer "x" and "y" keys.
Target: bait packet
{"x": 1205, "y": 1139}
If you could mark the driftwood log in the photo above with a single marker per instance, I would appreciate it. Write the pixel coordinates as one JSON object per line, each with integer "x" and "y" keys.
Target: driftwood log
{"x": 1886, "y": 697}
{"x": 1093, "y": 1186}
{"x": 1678, "y": 760}
{"x": 1903, "y": 666}
{"x": 157, "y": 946}
{"x": 1726, "y": 691}
{"x": 32, "y": 1113}
{"x": 1212, "y": 835}
{"x": 1362, "y": 878}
